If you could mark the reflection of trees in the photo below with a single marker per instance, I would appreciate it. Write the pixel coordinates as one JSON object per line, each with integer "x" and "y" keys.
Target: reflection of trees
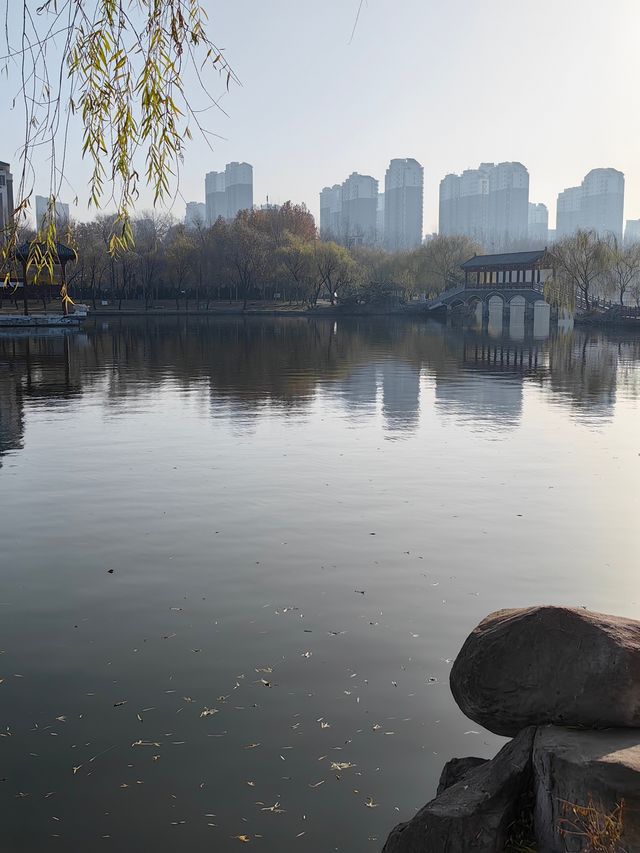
{"x": 584, "y": 370}
{"x": 244, "y": 364}
{"x": 11, "y": 413}
{"x": 33, "y": 369}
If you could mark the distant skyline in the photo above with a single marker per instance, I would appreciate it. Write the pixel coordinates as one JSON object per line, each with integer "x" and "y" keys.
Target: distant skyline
{"x": 545, "y": 83}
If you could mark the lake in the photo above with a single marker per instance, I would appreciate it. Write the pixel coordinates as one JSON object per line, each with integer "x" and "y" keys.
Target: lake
{"x": 238, "y": 557}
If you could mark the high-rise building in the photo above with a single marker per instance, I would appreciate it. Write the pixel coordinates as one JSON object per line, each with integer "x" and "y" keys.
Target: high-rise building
{"x": 508, "y": 204}
{"x": 490, "y": 204}
{"x": 196, "y": 214}
{"x": 632, "y": 231}
{"x": 6, "y": 195}
{"x": 539, "y": 223}
{"x": 380, "y": 220}
{"x": 568, "y": 212}
{"x": 215, "y": 197}
{"x": 403, "y": 205}
{"x": 331, "y": 212}
{"x": 228, "y": 192}
{"x": 359, "y": 210}
{"x": 238, "y": 179}
{"x": 597, "y": 204}
{"x": 603, "y": 202}
{"x": 473, "y": 204}
{"x": 42, "y": 209}
{"x": 449, "y": 202}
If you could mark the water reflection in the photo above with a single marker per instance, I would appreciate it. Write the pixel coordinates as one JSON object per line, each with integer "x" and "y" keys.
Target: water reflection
{"x": 248, "y": 365}
{"x": 324, "y": 507}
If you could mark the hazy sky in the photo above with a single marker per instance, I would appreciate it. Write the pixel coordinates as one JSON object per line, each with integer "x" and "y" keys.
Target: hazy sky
{"x": 554, "y": 84}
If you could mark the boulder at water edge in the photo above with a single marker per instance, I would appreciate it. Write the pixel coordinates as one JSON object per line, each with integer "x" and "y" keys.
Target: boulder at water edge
{"x": 472, "y": 816}
{"x": 587, "y": 790}
{"x": 455, "y": 770}
{"x": 549, "y": 665}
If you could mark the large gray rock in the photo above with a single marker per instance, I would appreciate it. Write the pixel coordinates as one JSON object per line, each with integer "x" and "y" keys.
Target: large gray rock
{"x": 595, "y": 772}
{"x": 474, "y": 814}
{"x": 455, "y": 770}
{"x": 549, "y": 665}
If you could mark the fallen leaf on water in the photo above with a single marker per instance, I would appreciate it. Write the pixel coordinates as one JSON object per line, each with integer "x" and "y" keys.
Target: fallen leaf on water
{"x": 275, "y": 808}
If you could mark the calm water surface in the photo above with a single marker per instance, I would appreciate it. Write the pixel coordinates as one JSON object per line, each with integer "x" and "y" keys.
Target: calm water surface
{"x": 238, "y": 556}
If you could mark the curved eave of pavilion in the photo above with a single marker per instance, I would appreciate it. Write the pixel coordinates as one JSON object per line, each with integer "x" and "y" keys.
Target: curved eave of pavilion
{"x": 63, "y": 254}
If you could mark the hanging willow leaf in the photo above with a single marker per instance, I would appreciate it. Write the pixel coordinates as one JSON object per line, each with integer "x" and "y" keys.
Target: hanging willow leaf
{"x": 119, "y": 67}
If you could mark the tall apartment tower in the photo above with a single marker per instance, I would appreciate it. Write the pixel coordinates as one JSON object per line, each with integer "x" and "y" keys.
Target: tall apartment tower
{"x": 331, "y": 212}
{"x": 195, "y": 214}
{"x": 449, "y": 203}
{"x": 632, "y": 231}
{"x": 597, "y": 204}
{"x": 508, "y": 204}
{"x": 42, "y": 206}
{"x": 380, "y": 221}
{"x": 568, "y": 212}
{"x": 238, "y": 187}
{"x": 215, "y": 197}
{"x": 403, "y": 205}
{"x": 359, "y": 210}
{"x": 539, "y": 223}
{"x": 6, "y": 195}
{"x": 490, "y": 204}
{"x": 603, "y": 202}
{"x": 473, "y": 205}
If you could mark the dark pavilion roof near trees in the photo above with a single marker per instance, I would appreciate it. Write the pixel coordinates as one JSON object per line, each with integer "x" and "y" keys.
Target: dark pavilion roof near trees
{"x": 508, "y": 260}
{"x": 62, "y": 255}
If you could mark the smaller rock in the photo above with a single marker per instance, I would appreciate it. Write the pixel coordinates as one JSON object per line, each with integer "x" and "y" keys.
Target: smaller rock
{"x": 586, "y": 783}
{"x": 455, "y": 770}
{"x": 476, "y": 812}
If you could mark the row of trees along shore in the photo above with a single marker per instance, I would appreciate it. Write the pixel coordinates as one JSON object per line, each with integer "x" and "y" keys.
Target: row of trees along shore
{"x": 275, "y": 255}
{"x": 267, "y": 255}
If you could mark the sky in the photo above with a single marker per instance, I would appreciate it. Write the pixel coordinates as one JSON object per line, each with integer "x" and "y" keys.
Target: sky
{"x": 554, "y": 84}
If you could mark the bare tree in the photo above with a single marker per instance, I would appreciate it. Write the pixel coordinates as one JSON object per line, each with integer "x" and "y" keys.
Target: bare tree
{"x": 624, "y": 267}
{"x": 437, "y": 263}
{"x": 578, "y": 262}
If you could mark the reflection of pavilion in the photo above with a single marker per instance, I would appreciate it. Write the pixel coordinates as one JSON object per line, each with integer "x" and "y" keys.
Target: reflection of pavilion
{"x": 505, "y": 355}
{"x": 490, "y": 384}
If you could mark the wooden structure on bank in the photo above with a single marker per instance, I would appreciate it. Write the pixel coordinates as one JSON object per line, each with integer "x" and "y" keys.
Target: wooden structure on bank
{"x": 498, "y": 277}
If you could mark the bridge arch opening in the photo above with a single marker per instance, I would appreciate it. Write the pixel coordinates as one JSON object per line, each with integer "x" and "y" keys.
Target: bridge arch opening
{"x": 541, "y": 318}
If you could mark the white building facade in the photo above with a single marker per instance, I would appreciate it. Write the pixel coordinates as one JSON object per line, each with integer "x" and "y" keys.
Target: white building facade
{"x": 596, "y": 205}
{"x": 403, "y": 205}
{"x": 42, "y": 211}
{"x": 489, "y": 204}
{"x": 6, "y": 195}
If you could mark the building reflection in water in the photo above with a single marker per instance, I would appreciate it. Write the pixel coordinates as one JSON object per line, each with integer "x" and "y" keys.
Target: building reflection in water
{"x": 247, "y": 367}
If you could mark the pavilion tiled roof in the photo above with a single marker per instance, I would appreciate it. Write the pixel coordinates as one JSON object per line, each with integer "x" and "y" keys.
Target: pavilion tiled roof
{"x": 506, "y": 259}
